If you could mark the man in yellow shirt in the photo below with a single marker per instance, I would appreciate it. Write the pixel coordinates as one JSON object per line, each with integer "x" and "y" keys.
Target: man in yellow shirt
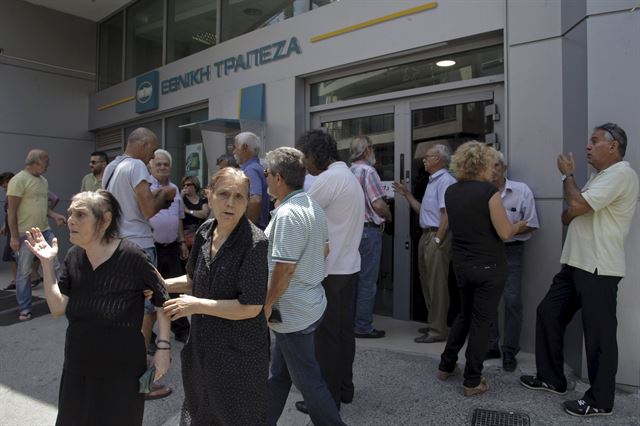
{"x": 28, "y": 208}
{"x": 599, "y": 217}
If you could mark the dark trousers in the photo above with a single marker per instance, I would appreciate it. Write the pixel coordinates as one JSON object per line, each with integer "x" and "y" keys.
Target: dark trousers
{"x": 170, "y": 266}
{"x": 334, "y": 339}
{"x": 480, "y": 290}
{"x": 574, "y": 289}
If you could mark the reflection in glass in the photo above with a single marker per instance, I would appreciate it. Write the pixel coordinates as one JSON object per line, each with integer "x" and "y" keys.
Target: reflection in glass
{"x": 144, "y": 37}
{"x": 242, "y": 16}
{"x": 110, "y": 61}
{"x": 468, "y": 65}
{"x": 191, "y": 27}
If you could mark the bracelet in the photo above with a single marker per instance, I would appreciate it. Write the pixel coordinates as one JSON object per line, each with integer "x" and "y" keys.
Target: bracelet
{"x": 163, "y": 349}
{"x": 163, "y": 341}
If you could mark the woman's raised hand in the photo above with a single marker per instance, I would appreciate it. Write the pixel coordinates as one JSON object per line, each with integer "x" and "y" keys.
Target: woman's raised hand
{"x": 39, "y": 246}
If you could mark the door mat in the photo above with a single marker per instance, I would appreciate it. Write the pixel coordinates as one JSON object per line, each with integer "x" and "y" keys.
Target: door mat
{"x": 9, "y": 308}
{"x": 483, "y": 417}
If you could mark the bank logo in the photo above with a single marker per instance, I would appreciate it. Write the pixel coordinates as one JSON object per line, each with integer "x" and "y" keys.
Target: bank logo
{"x": 146, "y": 92}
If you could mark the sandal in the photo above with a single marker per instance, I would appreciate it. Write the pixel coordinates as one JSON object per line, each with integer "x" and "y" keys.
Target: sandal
{"x": 24, "y": 316}
{"x": 36, "y": 282}
{"x": 158, "y": 391}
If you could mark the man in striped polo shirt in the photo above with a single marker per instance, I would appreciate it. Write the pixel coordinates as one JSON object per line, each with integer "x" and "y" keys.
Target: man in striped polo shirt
{"x": 295, "y": 305}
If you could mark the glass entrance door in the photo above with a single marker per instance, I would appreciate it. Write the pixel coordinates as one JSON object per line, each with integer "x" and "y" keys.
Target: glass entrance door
{"x": 379, "y": 127}
{"x": 402, "y": 131}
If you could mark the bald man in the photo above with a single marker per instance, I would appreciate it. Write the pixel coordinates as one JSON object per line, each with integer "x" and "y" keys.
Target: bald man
{"x": 27, "y": 195}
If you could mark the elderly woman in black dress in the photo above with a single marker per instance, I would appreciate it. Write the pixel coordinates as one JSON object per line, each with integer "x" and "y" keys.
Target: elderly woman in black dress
{"x": 479, "y": 225}
{"x": 102, "y": 291}
{"x": 226, "y": 359}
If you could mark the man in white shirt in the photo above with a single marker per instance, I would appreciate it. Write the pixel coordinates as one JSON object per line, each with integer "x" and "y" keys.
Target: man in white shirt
{"x": 593, "y": 263}
{"x": 338, "y": 192}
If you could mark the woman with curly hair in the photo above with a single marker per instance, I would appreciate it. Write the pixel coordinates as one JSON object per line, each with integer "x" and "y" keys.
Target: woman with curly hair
{"x": 479, "y": 225}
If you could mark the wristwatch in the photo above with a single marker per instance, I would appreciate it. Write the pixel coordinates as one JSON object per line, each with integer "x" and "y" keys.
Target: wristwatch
{"x": 437, "y": 240}
{"x": 564, "y": 177}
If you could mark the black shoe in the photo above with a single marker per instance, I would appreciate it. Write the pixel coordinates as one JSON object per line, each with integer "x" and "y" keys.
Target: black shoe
{"x": 532, "y": 382}
{"x": 581, "y": 408}
{"x": 509, "y": 362}
{"x": 424, "y": 330}
{"x": 346, "y": 399}
{"x": 35, "y": 283}
{"x": 493, "y": 354}
{"x": 375, "y": 334}
{"x": 11, "y": 286}
{"x": 302, "y": 407}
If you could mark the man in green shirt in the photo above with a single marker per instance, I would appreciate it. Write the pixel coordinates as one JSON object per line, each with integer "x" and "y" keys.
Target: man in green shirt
{"x": 93, "y": 180}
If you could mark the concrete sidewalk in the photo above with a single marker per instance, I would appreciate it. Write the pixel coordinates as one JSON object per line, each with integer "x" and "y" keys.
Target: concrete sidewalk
{"x": 394, "y": 377}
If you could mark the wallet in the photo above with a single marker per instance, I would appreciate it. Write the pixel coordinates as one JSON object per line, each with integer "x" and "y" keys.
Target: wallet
{"x": 146, "y": 380}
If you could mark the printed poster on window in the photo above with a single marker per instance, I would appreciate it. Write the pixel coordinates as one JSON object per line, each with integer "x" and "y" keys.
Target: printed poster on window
{"x": 194, "y": 162}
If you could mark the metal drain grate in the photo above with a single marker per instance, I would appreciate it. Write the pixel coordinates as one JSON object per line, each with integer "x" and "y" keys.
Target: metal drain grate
{"x": 498, "y": 418}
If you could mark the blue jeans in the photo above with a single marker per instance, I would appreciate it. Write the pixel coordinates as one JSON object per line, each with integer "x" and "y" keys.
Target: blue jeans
{"x": 23, "y": 271}
{"x": 153, "y": 257}
{"x": 364, "y": 292}
{"x": 294, "y": 360}
{"x": 512, "y": 297}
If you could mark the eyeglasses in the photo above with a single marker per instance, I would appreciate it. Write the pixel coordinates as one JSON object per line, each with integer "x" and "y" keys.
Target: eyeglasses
{"x": 187, "y": 184}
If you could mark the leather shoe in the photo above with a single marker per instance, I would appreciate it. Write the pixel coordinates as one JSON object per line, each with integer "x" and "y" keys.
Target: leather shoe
{"x": 375, "y": 334}
{"x": 428, "y": 339}
{"x": 302, "y": 407}
{"x": 493, "y": 354}
{"x": 509, "y": 362}
{"x": 423, "y": 330}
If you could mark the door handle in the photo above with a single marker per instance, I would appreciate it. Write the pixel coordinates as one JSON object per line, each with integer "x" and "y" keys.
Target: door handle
{"x": 406, "y": 245}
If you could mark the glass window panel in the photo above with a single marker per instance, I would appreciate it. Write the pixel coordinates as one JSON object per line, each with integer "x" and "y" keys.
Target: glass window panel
{"x": 179, "y": 143}
{"x": 466, "y": 66}
{"x": 319, "y": 3}
{"x": 242, "y": 16}
{"x": 110, "y": 59}
{"x": 144, "y": 37}
{"x": 191, "y": 27}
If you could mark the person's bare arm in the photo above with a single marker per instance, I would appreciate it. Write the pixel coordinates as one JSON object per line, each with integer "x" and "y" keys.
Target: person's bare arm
{"x": 382, "y": 209}
{"x": 151, "y": 203}
{"x": 443, "y": 227}
{"x": 185, "y": 305}
{"x": 202, "y": 213}
{"x": 280, "y": 279}
{"x": 254, "y": 208}
{"x": 505, "y": 229}
{"x": 12, "y": 213}
{"x": 576, "y": 204}
{"x": 181, "y": 284}
{"x": 402, "y": 190}
{"x": 184, "y": 250}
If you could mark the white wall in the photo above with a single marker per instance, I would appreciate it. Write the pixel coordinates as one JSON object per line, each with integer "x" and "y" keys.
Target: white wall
{"x": 42, "y": 106}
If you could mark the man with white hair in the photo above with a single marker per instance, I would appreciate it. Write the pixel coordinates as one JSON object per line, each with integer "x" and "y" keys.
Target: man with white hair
{"x": 27, "y": 196}
{"x": 519, "y": 203}
{"x": 376, "y": 215}
{"x": 246, "y": 150}
{"x": 168, "y": 231}
{"x": 434, "y": 250}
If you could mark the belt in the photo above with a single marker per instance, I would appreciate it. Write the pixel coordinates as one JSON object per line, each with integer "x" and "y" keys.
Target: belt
{"x": 165, "y": 245}
{"x": 429, "y": 229}
{"x": 514, "y": 243}
{"x": 372, "y": 225}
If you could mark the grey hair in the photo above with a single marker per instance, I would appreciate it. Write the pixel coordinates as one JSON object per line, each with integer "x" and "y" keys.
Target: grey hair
{"x": 501, "y": 158}
{"x": 35, "y": 156}
{"x": 359, "y": 146}
{"x": 287, "y": 162}
{"x": 163, "y": 152}
{"x": 443, "y": 153}
{"x": 249, "y": 139}
{"x": 614, "y": 132}
{"x": 140, "y": 134}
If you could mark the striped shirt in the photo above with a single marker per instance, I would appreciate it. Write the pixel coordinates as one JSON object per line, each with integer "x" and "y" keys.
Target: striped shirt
{"x": 370, "y": 183}
{"x": 297, "y": 234}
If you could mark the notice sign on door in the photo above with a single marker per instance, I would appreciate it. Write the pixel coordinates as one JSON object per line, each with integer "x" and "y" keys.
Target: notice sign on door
{"x": 194, "y": 162}
{"x": 388, "y": 189}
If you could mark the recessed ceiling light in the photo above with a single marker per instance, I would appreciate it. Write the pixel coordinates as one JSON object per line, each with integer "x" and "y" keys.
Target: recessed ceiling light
{"x": 446, "y": 63}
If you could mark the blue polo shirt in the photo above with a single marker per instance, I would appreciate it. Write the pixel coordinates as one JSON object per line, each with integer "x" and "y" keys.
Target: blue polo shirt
{"x": 258, "y": 186}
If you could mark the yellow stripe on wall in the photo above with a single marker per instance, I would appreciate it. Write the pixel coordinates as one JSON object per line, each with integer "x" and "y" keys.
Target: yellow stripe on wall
{"x": 115, "y": 103}
{"x": 365, "y": 24}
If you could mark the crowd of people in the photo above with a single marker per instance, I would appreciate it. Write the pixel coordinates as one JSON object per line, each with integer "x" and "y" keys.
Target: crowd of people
{"x": 268, "y": 276}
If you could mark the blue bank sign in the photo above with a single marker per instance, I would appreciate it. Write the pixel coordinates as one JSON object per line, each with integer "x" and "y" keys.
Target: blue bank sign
{"x": 147, "y": 92}
{"x": 233, "y": 64}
